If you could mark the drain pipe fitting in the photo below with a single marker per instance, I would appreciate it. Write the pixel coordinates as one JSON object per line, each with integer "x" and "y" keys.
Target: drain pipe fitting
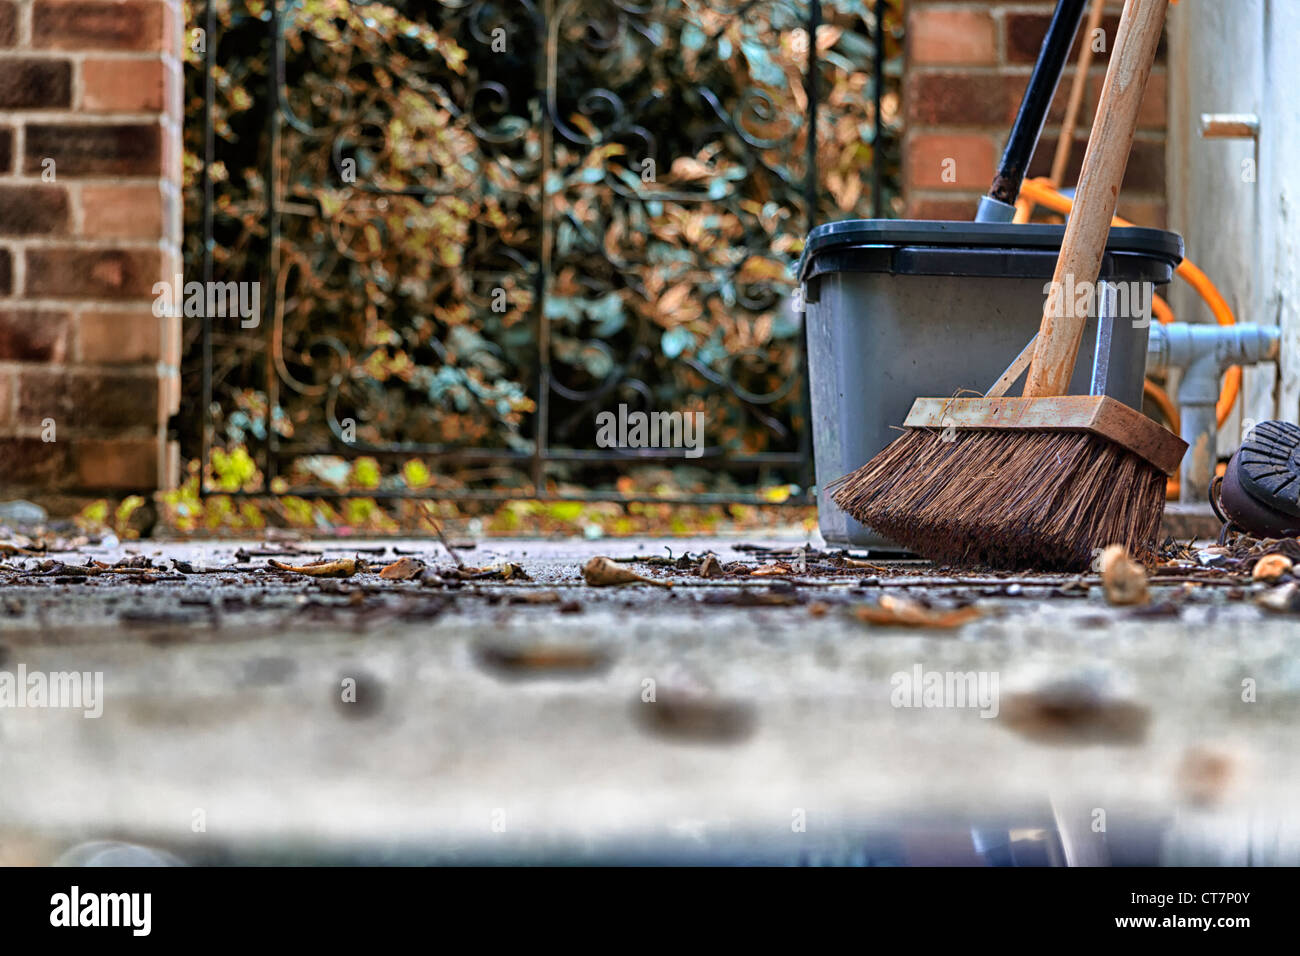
{"x": 1204, "y": 353}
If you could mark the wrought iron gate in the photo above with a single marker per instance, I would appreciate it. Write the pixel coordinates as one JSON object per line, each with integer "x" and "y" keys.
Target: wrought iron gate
{"x": 466, "y": 250}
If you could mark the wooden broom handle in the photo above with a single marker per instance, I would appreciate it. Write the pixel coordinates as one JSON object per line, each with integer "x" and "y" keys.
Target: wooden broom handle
{"x": 1097, "y": 195}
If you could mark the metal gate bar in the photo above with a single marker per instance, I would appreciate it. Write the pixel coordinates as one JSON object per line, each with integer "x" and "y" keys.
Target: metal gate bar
{"x": 274, "y": 454}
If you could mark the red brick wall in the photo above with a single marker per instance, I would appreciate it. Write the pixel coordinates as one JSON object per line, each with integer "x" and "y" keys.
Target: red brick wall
{"x": 90, "y": 219}
{"x": 968, "y": 62}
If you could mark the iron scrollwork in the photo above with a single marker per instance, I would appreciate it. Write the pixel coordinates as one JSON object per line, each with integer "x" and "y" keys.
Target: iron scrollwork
{"x": 473, "y": 249}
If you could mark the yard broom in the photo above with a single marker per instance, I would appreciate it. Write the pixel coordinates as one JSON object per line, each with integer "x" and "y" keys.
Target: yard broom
{"x": 1047, "y": 479}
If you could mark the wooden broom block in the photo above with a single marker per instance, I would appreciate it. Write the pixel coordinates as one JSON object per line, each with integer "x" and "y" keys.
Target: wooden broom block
{"x": 1096, "y": 414}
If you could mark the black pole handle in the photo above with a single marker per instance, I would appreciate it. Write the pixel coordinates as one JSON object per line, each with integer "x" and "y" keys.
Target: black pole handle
{"x": 1038, "y": 99}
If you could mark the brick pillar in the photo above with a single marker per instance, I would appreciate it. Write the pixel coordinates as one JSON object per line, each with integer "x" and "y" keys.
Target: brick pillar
{"x": 90, "y": 220}
{"x": 968, "y": 63}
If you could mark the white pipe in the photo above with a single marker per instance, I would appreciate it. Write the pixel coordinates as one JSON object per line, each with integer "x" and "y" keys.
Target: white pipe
{"x": 1204, "y": 352}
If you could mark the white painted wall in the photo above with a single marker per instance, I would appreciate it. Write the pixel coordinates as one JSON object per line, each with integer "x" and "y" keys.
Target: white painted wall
{"x": 1241, "y": 56}
{"x": 1280, "y": 195}
{"x": 1216, "y": 65}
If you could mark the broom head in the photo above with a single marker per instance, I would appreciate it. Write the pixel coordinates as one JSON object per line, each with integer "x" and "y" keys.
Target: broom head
{"x": 1017, "y": 482}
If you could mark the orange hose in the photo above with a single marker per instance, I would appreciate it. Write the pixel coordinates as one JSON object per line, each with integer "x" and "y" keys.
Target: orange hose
{"x": 1167, "y": 408}
{"x": 1164, "y": 314}
{"x": 1038, "y": 191}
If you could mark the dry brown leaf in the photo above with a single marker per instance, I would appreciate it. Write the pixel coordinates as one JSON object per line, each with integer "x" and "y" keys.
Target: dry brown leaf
{"x": 710, "y": 567}
{"x": 535, "y": 597}
{"x": 502, "y": 571}
{"x": 542, "y": 659}
{"x": 771, "y": 570}
{"x": 696, "y": 717}
{"x": 1123, "y": 578}
{"x": 761, "y": 268}
{"x": 1075, "y": 712}
{"x": 673, "y": 299}
{"x": 846, "y": 561}
{"x": 403, "y": 569}
{"x": 602, "y": 572}
{"x": 342, "y": 568}
{"x": 510, "y": 571}
{"x": 1271, "y": 567}
{"x": 684, "y": 167}
{"x": 901, "y": 612}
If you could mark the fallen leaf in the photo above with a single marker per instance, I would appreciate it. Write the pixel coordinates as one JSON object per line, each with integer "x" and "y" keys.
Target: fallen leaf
{"x": 602, "y": 572}
{"x": 501, "y": 571}
{"x": 1123, "y": 578}
{"x": 696, "y": 718}
{"x": 710, "y": 567}
{"x": 342, "y": 568}
{"x": 1075, "y": 712}
{"x": 1271, "y": 567}
{"x": 901, "y": 612}
{"x": 542, "y": 660}
{"x": 771, "y": 570}
{"x": 847, "y": 562}
{"x": 509, "y": 571}
{"x": 535, "y": 597}
{"x": 403, "y": 569}
{"x": 504, "y": 570}
{"x": 657, "y": 560}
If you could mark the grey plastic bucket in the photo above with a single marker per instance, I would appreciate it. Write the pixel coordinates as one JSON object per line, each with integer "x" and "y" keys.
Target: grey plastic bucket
{"x": 897, "y": 309}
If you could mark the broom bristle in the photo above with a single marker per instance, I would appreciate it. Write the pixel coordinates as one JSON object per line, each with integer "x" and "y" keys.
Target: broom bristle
{"x": 1007, "y": 498}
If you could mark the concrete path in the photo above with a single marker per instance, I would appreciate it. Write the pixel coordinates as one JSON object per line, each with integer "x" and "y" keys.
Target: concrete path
{"x": 253, "y": 715}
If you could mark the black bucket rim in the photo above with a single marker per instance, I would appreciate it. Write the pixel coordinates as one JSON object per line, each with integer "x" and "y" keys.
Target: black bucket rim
{"x": 1159, "y": 244}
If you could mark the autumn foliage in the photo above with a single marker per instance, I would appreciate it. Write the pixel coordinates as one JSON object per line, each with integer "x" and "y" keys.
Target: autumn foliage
{"x": 487, "y": 208}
